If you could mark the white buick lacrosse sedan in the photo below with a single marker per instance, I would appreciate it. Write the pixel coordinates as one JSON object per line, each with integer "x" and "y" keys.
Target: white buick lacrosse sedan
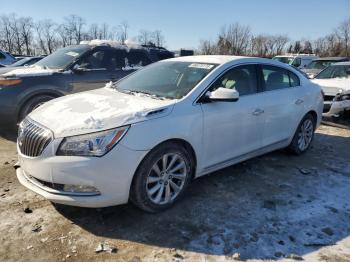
{"x": 147, "y": 136}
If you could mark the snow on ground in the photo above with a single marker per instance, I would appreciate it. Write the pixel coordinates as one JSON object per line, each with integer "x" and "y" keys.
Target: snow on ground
{"x": 273, "y": 207}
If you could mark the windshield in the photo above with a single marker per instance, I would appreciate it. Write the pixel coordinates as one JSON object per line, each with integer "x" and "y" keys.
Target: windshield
{"x": 26, "y": 61}
{"x": 63, "y": 57}
{"x": 171, "y": 79}
{"x": 342, "y": 71}
{"x": 284, "y": 59}
{"x": 319, "y": 64}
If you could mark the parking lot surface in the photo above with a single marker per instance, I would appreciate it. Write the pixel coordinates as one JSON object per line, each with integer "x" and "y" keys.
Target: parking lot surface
{"x": 277, "y": 206}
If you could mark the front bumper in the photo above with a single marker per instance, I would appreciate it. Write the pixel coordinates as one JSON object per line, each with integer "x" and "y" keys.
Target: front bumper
{"x": 111, "y": 175}
{"x": 335, "y": 108}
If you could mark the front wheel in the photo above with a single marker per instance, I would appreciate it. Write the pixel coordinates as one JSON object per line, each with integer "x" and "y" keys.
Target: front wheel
{"x": 162, "y": 177}
{"x": 303, "y": 136}
{"x": 33, "y": 104}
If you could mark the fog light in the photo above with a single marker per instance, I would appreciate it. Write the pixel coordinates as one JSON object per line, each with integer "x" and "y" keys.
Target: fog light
{"x": 80, "y": 189}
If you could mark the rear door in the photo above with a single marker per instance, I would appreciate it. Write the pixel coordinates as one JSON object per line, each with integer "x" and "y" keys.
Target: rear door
{"x": 96, "y": 69}
{"x": 232, "y": 129}
{"x": 283, "y": 102}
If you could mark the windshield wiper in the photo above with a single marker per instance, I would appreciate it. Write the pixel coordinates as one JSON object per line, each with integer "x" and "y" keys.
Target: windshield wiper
{"x": 134, "y": 92}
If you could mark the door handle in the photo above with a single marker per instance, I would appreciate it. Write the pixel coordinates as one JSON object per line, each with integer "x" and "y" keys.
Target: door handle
{"x": 258, "y": 112}
{"x": 299, "y": 101}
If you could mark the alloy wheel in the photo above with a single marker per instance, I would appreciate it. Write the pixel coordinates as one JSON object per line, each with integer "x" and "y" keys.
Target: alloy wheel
{"x": 305, "y": 134}
{"x": 166, "y": 178}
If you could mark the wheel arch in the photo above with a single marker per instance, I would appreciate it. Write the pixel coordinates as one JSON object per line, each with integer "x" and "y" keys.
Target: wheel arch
{"x": 187, "y": 145}
{"x": 179, "y": 141}
{"x": 30, "y": 96}
{"x": 314, "y": 115}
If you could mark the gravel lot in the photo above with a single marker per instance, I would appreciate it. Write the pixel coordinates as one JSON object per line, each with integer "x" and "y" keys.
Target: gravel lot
{"x": 277, "y": 206}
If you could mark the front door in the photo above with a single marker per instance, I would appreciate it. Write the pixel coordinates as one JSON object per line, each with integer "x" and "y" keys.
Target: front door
{"x": 95, "y": 70}
{"x": 232, "y": 129}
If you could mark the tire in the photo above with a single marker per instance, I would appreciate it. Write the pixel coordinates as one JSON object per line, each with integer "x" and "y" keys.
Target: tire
{"x": 155, "y": 189}
{"x": 303, "y": 135}
{"x": 32, "y": 104}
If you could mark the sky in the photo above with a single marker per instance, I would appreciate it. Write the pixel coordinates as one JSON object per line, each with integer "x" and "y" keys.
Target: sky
{"x": 184, "y": 23}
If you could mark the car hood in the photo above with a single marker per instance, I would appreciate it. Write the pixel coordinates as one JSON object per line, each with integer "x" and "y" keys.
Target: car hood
{"x": 98, "y": 110}
{"x": 333, "y": 86}
{"x": 27, "y": 71}
{"x": 6, "y": 69}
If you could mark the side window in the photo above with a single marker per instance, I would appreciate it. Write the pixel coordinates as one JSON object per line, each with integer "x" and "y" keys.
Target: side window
{"x": 294, "y": 79}
{"x": 98, "y": 59}
{"x": 341, "y": 71}
{"x": 118, "y": 59}
{"x": 278, "y": 78}
{"x": 2, "y": 56}
{"x": 296, "y": 62}
{"x": 242, "y": 78}
{"x": 137, "y": 58}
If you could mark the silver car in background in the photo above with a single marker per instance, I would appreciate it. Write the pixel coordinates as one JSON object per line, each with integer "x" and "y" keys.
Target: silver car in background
{"x": 335, "y": 83}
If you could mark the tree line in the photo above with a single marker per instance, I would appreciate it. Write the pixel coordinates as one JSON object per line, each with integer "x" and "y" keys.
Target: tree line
{"x": 237, "y": 39}
{"x": 25, "y": 36}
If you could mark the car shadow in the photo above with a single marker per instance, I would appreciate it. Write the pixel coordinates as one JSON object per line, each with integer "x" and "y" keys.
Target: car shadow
{"x": 8, "y": 133}
{"x": 267, "y": 207}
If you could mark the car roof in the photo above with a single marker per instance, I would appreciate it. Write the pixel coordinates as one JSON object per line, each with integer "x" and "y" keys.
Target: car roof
{"x": 212, "y": 59}
{"x": 347, "y": 63}
{"x": 333, "y": 58}
{"x": 118, "y": 45}
{"x": 223, "y": 59}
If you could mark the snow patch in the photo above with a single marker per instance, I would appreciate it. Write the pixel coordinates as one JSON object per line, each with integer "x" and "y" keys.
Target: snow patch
{"x": 109, "y": 84}
{"x": 113, "y": 43}
{"x": 30, "y": 71}
{"x": 93, "y": 123}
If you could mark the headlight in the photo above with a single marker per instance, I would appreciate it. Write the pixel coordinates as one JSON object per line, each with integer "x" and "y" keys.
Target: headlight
{"x": 94, "y": 144}
{"x": 10, "y": 81}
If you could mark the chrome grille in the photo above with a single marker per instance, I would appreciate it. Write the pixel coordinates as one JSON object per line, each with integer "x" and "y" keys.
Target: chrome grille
{"x": 32, "y": 138}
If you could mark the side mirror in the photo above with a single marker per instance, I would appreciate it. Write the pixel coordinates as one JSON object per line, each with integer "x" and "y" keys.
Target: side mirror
{"x": 223, "y": 94}
{"x": 78, "y": 69}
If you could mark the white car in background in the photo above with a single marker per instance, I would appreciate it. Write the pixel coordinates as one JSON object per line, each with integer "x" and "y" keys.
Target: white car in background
{"x": 300, "y": 61}
{"x": 335, "y": 83}
{"x": 147, "y": 136}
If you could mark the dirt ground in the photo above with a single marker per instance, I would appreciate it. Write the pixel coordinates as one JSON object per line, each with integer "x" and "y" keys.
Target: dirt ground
{"x": 273, "y": 207}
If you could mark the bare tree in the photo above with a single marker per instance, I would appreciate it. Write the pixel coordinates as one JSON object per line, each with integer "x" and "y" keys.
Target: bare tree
{"x": 235, "y": 38}
{"x": 207, "y": 47}
{"x": 46, "y": 31}
{"x": 145, "y": 37}
{"x": 103, "y": 31}
{"x": 320, "y": 46}
{"x": 74, "y": 26}
{"x": 259, "y": 46}
{"x": 17, "y": 40}
{"x": 123, "y": 29}
{"x": 307, "y": 47}
{"x": 93, "y": 31}
{"x": 344, "y": 33}
{"x": 158, "y": 38}
{"x": 7, "y": 33}
{"x": 26, "y": 30}
{"x": 281, "y": 42}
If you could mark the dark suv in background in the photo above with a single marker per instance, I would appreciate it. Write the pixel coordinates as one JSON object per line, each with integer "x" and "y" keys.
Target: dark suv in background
{"x": 69, "y": 70}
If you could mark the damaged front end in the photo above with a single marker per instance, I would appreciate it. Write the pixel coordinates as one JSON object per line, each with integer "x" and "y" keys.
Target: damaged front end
{"x": 339, "y": 106}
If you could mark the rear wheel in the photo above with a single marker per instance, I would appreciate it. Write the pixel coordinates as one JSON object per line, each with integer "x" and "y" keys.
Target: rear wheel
{"x": 303, "y": 136}
{"x": 162, "y": 178}
{"x": 33, "y": 104}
